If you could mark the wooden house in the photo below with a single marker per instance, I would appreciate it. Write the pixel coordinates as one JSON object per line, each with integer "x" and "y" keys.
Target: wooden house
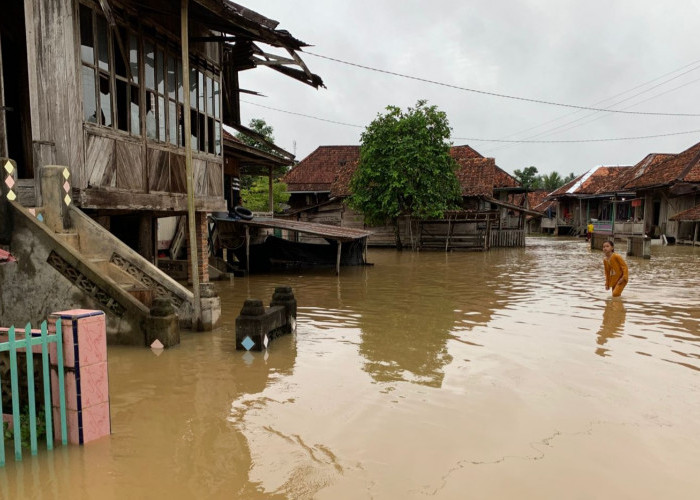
{"x": 98, "y": 86}
{"x": 666, "y": 186}
{"x": 600, "y": 196}
{"x": 118, "y": 106}
{"x": 320, "y": 185}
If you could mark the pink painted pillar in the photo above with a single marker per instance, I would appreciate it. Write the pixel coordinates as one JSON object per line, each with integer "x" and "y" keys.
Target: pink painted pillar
{"x": 86, "y": 381}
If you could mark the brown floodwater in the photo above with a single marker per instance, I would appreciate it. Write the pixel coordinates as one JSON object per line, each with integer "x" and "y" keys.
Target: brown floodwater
{"x": 506, "y": 374}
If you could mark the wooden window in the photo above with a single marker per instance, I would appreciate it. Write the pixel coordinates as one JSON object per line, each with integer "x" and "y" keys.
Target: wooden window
{"x": 112, "y": 62}
{"x": 109, "y": 73}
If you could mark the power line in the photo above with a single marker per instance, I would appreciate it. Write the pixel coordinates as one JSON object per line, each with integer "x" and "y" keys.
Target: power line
{"x": 574, "y": 140}
{"x": 504, "y": 96}
{"x": 486, "y": 140}
{"x": 553, "y": 130}
{"x": 302, "y": 114}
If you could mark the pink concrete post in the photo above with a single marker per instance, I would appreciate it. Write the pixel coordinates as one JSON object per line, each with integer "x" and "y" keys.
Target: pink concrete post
{"x": 86, "y": 382}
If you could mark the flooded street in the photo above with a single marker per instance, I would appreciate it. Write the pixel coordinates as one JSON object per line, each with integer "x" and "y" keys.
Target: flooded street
{"x": 506, "y": 374}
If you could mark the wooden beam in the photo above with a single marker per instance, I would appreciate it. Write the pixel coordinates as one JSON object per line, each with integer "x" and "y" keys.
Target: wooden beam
{"x": 247, "y": 249}
{"x": 270, "y": 200}
{"x": 184, "y": 35}
{"x": 337, "y": 259}
{"x": 95, "y": 198}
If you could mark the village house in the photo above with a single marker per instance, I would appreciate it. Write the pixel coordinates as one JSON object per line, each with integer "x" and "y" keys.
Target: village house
{"x": 598, "y": 196}
{"x": 653, "y": 198}
{"x": 666, "y": 187}
{"x": 320, "y": 185}
{"x": 100, "y": 90}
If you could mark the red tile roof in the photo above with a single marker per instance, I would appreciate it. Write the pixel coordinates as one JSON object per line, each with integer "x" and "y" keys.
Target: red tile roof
{"x": 691, "y": 215}
{"x": 663, "y": 169}
{"x": 476, "y": 176}
{"x": 330, "y": 168}
{"x": 317, "y": 171}
{"x": 504, "y": 180}
{"x": 598, "y": 180}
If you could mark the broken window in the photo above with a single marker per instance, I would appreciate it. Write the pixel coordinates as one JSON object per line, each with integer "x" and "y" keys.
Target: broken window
{"x": 112, "y": 61}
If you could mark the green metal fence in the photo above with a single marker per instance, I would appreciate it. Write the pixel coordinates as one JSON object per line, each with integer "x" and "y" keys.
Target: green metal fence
{"x": 26, "y": 343}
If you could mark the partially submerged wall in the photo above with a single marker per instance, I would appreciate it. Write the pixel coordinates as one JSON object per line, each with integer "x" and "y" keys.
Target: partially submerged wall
{"x": 50, "y": 276}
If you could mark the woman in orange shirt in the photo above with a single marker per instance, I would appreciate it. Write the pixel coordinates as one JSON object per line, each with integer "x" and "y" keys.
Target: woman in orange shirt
{"x": 616, "y": 273}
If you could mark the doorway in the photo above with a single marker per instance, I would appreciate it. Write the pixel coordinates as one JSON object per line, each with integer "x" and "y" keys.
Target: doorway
{"x": 15, "y": 117}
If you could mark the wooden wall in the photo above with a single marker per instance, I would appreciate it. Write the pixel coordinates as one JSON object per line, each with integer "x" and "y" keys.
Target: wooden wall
{"x": 55, "y": 94}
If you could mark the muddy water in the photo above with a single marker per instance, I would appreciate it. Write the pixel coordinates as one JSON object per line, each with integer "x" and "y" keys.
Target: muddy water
{"x": 507, "y": 374}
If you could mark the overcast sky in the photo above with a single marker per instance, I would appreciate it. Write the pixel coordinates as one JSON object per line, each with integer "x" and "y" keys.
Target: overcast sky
{"x": 582, "y": 53}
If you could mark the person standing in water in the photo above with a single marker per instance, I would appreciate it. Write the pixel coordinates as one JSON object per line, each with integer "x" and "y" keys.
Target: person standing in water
{"x": 616, "y": 272}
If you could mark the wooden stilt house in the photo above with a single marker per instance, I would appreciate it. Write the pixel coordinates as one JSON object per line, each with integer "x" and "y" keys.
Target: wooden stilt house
{"x": 97, "y": 86}
{"x": 320, "y": 185}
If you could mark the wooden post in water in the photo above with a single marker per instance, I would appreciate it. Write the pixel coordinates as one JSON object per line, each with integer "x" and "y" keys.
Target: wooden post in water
{"x": 247, "y": 249}
{"x": 337, "y": 260}
{"x": 269, "y": 192}
{"x": 184, "y": 35}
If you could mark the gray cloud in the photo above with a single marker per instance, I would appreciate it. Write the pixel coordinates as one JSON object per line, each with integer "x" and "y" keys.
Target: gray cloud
{"x": 572, "y": 52}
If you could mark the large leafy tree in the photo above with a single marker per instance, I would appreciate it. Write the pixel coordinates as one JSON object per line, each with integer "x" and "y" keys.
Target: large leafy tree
{"x": 256, "y": 197}
{"x": 552, "y": 181}
{"x": 527, "y": 177}
{"x": 260, "y": 126}
{"x": 405, "y": 167}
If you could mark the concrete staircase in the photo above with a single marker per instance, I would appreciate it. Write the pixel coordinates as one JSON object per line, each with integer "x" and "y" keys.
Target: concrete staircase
{"x": 66, "y": 260}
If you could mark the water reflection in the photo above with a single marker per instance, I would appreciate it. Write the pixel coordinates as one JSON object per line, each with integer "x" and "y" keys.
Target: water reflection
{"x": 613, "y": 323}
{"x": 463, "y": 369}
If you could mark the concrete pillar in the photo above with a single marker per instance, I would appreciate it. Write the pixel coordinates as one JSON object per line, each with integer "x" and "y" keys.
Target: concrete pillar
{"x": 56, "y": 196}
{"x": 85, "y": 375}
{"x": 210, "y": 307}
{"x": 162, "y": 323}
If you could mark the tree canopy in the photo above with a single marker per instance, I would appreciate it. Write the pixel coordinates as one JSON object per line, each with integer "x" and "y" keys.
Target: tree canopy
{"x": 529, "y": 179}
{"x": 405, "y": 167}
{"x": 256, "y": 196}
{"x": 260, "y": 126}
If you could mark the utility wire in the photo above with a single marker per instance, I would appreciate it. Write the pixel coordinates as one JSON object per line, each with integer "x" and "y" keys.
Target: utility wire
{"x": 556, "y": 129}
{"x": 611, "y": 98}
{"x": 574, "y": 140}
{"x": 487, "y": 140}
{"x": 302, "y": 114}
{"x": 495, "y": 94}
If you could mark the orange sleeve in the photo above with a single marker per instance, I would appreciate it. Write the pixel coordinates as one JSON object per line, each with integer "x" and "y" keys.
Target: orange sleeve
{"x": 623, "y": 268}
{"x": 606, "y": 266}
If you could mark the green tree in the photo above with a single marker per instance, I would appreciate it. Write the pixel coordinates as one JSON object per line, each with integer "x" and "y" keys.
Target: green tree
{"x": 527, "y": 177}
{"x": 405, "y": 167}
{"x": 256, "y": 197}
{"x": 568, "y": 178}
{"x": 261, "y": 127}
{"x": 552, "y": 181}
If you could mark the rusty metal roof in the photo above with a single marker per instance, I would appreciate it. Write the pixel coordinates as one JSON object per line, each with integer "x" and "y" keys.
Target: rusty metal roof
{"x": 323, "y": 230}
{"x": 690, "y": 215}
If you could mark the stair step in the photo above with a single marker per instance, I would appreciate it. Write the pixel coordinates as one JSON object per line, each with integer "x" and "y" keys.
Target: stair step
{"x": 72, "y": 239}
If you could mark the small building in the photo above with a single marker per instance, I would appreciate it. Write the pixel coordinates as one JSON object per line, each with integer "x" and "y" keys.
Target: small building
{"x": 320, "y": 185}
{"x": 666, "y": 185}
{"x": 600, "y": 196}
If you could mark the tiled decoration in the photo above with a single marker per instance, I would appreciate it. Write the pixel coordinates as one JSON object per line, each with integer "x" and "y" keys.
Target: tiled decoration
{"x": 66, "y": 186}
{"x": 86, "y": 376}
{"x": 9, "y": 180}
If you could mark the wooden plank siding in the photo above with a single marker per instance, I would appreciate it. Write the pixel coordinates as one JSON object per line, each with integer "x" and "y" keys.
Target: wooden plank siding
{"x": 54, "y": 86}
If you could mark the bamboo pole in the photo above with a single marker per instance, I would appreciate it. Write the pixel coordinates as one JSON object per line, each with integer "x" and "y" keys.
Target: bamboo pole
{"x": 337, "y": 260}
{"x": 269, "y": 192}
{"x": 184, "y": 35}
